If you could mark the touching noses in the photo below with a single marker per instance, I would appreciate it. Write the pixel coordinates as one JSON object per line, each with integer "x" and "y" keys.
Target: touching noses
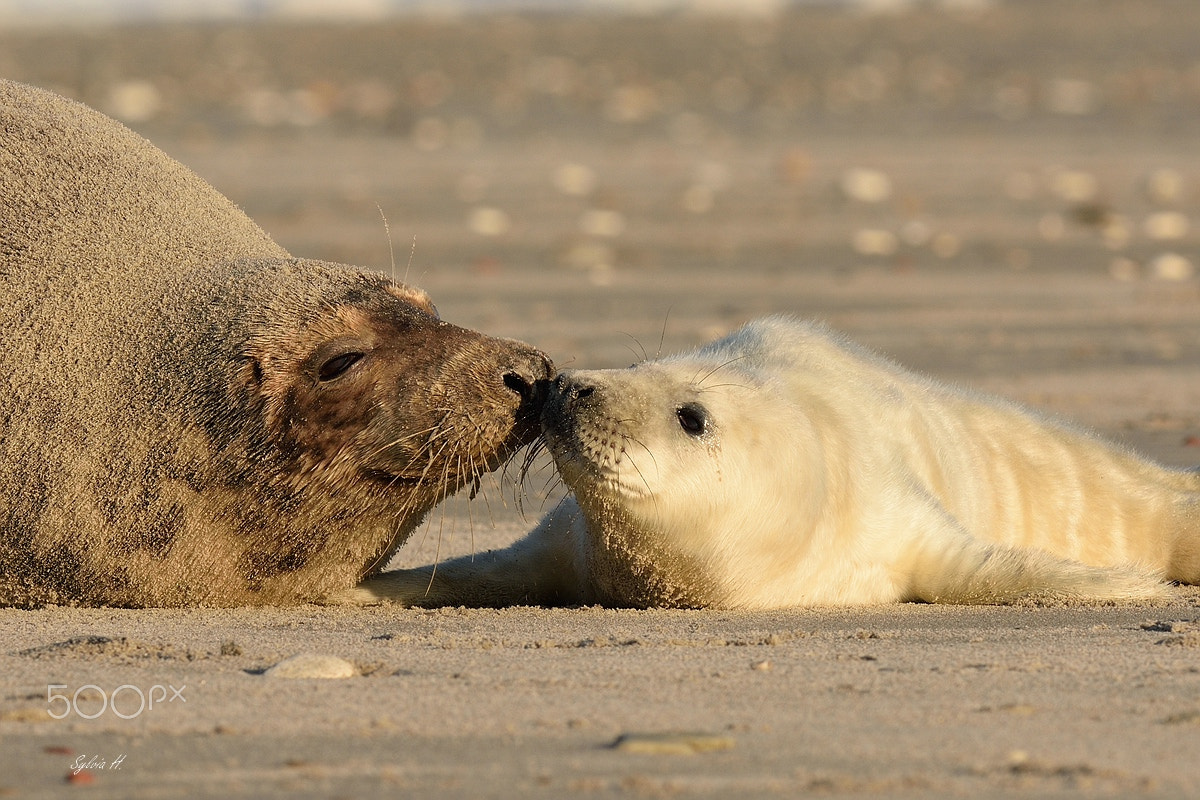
{"x": 571, "y": 388}
{"x": 529, "y": 376}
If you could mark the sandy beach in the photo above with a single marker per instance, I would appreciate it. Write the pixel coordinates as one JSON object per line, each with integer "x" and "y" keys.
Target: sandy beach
{"x": 1005, "y": 198}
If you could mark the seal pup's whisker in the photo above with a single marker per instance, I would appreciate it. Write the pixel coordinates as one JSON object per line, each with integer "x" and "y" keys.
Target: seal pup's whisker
{"x": 643, "y": 356}
{"x": 722, "y": 365}
{"x": 532, "y": 454}
{"x": 645, "y": 482}
{"x": 662, "y": 337}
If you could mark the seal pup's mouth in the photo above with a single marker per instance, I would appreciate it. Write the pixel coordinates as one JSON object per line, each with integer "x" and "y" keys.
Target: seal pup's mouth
{"x": 590, "y": 447}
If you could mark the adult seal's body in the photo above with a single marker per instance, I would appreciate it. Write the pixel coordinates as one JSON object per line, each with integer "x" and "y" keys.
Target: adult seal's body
{"x": 782, "y": 466}
{"x": 189, "y": 415}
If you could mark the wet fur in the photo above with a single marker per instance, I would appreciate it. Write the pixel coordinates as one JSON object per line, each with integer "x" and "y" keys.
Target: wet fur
{"x": 825, "y": 476}
{"x": 166, "y": 436}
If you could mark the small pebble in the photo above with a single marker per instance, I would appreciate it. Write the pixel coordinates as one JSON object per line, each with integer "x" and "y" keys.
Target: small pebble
{"x": 1072, "y": 97}
{"x": 946, "y": 245}
{"x": 575, "y": 180}
{"x": 602, "y": 222}
{"x": 312, "y": 665}
{"x": 589, "y": 255}
{"x": 1020, "y": 186}
{"x": 866, "y": 185}
{"x": 681, "y": 744}
{"x": 874, "y": 242}
{"x": 1165, "y": 225}
{"x": 915, "y": 233}
{"x": 135, "y": 101}
{"x": 487, "y": 221}
{"x": 713, "y": 174}
{"x": 1075, "y": 186}
{"x": 430, "y": 134}
{"x": 1115, "y": 231}
{"x": 1052, "y": 227}
{"x": 1172, "y": 267}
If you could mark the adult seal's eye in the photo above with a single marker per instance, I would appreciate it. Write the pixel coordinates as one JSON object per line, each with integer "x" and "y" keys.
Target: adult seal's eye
{"x": 336, "y": 367}
{"x": 692, "y": 418}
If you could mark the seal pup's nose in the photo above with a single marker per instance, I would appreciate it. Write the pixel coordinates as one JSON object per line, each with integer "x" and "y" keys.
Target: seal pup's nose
{"x": 572, "y": 388}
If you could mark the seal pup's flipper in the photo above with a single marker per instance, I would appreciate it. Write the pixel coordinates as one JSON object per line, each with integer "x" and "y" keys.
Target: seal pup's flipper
{"x": 957, "y": 568}
{"x": 543, "y": 568}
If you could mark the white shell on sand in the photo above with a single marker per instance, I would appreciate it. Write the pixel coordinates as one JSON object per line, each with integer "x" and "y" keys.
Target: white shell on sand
{"x": 676, "y": 744}
{"x": 1165, "y": 225}
{"x": 1172, "y": 267}
{"x": 866, "y": 185}
{"x": 312, "y": 665}
{"x": 488, "y": 221}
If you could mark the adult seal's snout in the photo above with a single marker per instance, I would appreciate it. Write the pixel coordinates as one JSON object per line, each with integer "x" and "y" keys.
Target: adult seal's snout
{"x": 527, "y": 375}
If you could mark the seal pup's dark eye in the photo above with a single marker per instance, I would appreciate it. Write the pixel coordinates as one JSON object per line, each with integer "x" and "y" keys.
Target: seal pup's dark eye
{"x": 337, "y": 366}
{"x": 692, "y": 418}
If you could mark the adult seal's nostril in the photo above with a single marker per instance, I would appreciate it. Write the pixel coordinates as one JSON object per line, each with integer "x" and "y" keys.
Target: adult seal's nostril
{"x": 520, "y": 384}
{"x": 531, "y": 378}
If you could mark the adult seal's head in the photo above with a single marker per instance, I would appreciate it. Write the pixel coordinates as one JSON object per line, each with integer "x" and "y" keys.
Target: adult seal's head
{"x": 191, "y": 416}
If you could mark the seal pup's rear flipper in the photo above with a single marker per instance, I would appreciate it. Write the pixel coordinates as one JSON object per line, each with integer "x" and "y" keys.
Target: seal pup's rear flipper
{"x": 956, "y": 568}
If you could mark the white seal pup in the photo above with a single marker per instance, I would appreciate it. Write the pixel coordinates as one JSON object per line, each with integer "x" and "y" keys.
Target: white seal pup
{"x": 784, "y": 466}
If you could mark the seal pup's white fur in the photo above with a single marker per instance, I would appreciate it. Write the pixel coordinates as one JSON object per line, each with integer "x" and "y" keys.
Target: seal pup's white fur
{"x": 784, "y": 466}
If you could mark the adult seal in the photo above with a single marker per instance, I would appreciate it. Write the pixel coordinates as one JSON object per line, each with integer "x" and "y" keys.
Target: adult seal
{"x": 191, "y": 416}
{"x": 784, "y": 466}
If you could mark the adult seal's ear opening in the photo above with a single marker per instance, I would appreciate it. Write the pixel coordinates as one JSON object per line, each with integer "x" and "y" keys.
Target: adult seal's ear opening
{"x": 188, "y": 414}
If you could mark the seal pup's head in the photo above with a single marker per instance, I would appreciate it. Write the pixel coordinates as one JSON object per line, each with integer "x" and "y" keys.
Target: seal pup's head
{"x": 687, "y": 469}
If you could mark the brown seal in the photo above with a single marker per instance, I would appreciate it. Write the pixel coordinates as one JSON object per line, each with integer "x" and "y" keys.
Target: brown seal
{"x": 191, "y": 416}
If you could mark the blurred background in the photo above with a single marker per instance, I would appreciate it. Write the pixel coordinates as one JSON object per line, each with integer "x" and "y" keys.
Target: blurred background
{"x": 1003, "y": 194}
